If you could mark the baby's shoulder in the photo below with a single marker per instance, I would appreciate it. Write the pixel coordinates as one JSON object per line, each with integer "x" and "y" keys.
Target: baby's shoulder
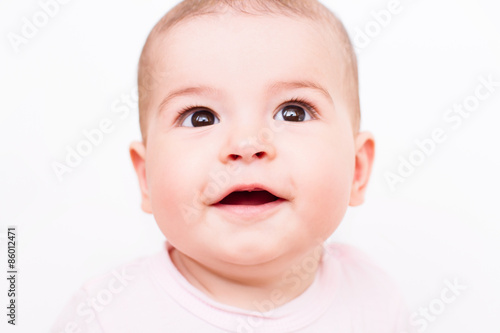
{"x": 110, "y": 295}
{"x": 365, "y": 290}
{"x": 358, "y": 272}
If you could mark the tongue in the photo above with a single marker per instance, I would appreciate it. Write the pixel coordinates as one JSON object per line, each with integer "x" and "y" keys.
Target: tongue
{"x": 248, "y": 198}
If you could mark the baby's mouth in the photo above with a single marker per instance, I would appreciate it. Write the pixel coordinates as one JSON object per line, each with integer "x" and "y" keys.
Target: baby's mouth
{"x": 247, "y": 198}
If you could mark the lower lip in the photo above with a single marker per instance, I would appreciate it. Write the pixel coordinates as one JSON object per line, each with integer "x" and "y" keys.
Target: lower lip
{"x": 251, "y": 212}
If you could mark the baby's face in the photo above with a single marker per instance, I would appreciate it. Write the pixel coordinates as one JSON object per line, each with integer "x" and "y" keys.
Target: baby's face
{"x": 247, "y": 103}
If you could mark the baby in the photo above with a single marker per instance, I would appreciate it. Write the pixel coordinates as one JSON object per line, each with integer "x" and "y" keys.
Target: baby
{"x": 250, "y": 155}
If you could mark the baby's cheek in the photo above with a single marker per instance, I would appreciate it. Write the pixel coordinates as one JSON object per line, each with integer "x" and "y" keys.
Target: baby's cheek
{"x": 169, "y": 181}
{"x": 326, "y": 190}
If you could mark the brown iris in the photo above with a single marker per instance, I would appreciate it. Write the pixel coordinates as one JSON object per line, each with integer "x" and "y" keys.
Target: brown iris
{"x": 293, "y": 113}
{"x": 202, "y": 118}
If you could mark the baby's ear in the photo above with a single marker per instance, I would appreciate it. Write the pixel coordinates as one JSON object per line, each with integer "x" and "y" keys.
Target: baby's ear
{"x": 365, "y": 153}
{"x": 138, "y": 156}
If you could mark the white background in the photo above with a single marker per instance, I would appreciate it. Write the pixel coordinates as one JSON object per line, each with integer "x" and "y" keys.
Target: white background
{"x": 441, "y": 224}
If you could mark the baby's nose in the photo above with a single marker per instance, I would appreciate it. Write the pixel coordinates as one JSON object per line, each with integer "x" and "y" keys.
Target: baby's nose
{"x": 247, "y": 146}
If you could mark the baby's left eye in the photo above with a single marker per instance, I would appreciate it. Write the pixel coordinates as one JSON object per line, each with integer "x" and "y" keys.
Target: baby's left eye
{"x": 293, "y": 113}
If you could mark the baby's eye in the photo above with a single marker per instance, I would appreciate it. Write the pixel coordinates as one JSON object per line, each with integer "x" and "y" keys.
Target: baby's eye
{"x": 293, "y": 113}
{"x": 200, "y": 118}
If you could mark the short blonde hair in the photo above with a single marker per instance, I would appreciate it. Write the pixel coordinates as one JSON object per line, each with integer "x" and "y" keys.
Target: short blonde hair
{"x": 310, "y": 9}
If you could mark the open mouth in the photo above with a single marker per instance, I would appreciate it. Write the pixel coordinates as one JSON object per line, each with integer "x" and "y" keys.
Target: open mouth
{"x": 248, "y": 198}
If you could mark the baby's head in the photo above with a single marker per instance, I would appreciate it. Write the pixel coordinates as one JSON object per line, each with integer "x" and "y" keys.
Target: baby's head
{"x": 249, "y": 113}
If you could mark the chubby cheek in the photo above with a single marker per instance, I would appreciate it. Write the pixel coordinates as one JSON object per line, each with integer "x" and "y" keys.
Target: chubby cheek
{"x": 175, "y": 173}
{"x": 324, "y": 182}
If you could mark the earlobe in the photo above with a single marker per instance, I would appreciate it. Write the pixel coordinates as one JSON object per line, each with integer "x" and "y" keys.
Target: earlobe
{"x": 138, "y": 157}
{"x": 365, "y": 154}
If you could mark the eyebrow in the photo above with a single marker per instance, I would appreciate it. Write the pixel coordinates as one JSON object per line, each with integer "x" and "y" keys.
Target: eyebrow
{"x": 272, "y": 89}
{"x": 285, "y": 85}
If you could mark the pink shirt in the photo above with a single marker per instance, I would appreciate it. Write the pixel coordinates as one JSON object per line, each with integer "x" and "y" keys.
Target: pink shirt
{"x": 349, "y": 294}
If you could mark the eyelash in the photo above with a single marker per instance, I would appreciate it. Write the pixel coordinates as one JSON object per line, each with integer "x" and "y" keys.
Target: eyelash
{"x": 297, "y": 100}
{"x": 185, "y": 111}
{"x": 305, "y": 104}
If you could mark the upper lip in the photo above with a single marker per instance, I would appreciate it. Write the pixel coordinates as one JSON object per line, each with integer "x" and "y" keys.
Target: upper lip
{"x": 247, "y": 187}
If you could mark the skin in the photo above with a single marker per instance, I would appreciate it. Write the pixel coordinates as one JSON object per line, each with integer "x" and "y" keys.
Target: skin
{"x": 320, "y": 165}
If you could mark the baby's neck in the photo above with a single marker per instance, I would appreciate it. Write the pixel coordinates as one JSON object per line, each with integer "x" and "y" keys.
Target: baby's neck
{"x": 263, "y": 292}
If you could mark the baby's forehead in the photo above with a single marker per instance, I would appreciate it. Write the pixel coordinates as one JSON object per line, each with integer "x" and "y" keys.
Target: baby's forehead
{"x": 330, "y": 29}
{"x": 216, "y": 27}
{"x": 217, "y": 43}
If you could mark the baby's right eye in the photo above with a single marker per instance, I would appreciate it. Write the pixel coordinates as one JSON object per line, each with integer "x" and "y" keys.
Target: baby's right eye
{"x": 199, "y": 118}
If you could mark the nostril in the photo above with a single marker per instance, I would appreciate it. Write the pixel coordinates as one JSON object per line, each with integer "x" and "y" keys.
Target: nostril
{"x": 235, "y": 157}
{"x": 259, "y": 154}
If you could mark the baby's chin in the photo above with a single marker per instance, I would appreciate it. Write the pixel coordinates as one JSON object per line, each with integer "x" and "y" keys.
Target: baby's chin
{"x": 248, "y": 251}
{"x": 262, "y": 253}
